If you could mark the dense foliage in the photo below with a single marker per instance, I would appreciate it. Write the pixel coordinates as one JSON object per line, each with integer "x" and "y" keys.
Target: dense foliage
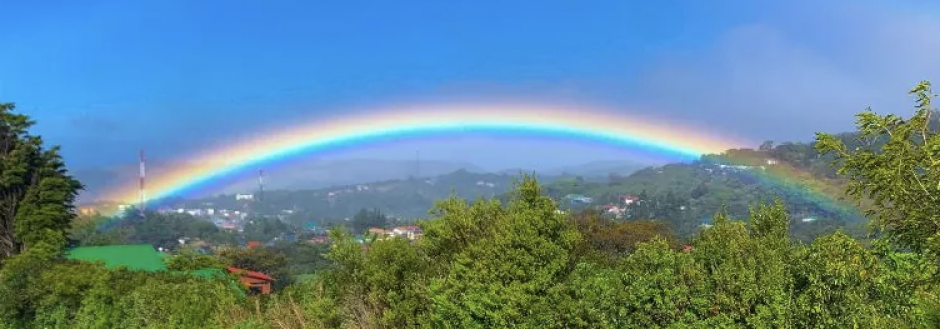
{"x": 521, "y": 263}
{"x": 898, "y": 167}
{"x": 36, "y": 191}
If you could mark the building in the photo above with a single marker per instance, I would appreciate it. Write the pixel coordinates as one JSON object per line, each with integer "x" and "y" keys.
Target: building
{"x": 486, "y": 184}
{"x": 245, "y": 197}
{"x": 140, "y": 257}
{"x": 613, "y": 210}
{"x": 577, "y": 198}
{"x": 288, "y": 237}
{"x": 629, "y": 199}
{"x": 412, "y": 232}
{"x": 256, "y": 282}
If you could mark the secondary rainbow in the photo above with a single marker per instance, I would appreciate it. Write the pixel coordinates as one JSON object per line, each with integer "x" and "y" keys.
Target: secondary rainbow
{"x": 680, "y": 142}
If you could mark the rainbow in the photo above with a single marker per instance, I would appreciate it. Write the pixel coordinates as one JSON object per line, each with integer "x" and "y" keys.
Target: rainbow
{"x": 633, "y": 132}
{"x": 572, "y": 122}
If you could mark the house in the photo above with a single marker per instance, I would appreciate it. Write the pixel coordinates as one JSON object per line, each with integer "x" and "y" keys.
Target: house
{"x": 378, "y": 231}
{"x": 255, "y": 281}
{"x": 629, "y": 199}
{"x": 320, "y": 240}
{"x": 613, "y": 209}
{"x": 228, "y": 226}
{"x": 411, "y": 232}
{"x": 311, "y": 226}
{"x": 577, "y": 198}
{"x": 140, "y": 257}
{"x": 253, "y": 244}
{"x": 289, "y": 237}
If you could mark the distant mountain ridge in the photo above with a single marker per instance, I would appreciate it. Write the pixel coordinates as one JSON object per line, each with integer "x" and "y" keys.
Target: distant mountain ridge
{"x": 593, "y": 169}
{"x": 302, "y": 174}
{"x": 314, "y": 173}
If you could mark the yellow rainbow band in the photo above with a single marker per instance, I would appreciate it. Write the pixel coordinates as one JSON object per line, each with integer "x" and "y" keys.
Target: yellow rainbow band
{"x": 574, "y": 122}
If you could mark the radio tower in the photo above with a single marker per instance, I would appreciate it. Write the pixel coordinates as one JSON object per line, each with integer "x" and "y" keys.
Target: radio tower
{"x": 143, "y": 176}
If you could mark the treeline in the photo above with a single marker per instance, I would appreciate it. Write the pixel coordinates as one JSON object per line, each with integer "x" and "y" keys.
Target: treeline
{"x": 164, "y": 230}
{"x": 492, "y": 265}
{"x": 403, "y": 198}
{"x": 523, "y": 264}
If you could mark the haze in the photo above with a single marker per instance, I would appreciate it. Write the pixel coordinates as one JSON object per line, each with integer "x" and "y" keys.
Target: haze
{"x": 106, "y": 78}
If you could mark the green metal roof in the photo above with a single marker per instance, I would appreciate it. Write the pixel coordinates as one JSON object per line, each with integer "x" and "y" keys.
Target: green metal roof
{"x": 140, "y": 257}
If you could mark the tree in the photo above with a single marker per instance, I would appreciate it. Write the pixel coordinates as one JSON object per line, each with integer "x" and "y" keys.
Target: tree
{"x": 188, "y": 259}
{"x": 614, "y": 239}
{"x": 897, "y": 167}
{"x": 654, "y": 287}
{"x": 261, "y": 259}
{"x": 36, "y": 191}
{"x": 766, "y": 146}
{"x": 368, "y": 218}
{"x": 263, "y": 228}
{"x": 503, "y": 278}
{"x": 304, "y": 257}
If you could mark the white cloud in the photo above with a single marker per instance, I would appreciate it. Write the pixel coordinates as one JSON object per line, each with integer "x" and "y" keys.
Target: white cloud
{"x": 807, "y": 70}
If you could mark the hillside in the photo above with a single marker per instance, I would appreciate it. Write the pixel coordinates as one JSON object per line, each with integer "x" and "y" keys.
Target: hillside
{"x": 309, "y": 173}
{"x": 685, "y": 195}
{"x": 591, "y": 170}
{"x": 403, "y": 198}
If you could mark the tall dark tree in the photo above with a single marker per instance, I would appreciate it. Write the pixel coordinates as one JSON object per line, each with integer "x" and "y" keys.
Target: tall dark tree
{"x": 36, "y": 191}
{"x": 368, "y": 218}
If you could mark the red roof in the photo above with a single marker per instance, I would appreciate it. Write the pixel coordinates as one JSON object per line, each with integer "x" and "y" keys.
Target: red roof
{"x": 252, "y": 244}
{"x": 253, "y": 274}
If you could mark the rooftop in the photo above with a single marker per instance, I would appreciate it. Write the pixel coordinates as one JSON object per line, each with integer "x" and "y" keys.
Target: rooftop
{"x": 252, "y": 274}
{"x": 141, "y": 257}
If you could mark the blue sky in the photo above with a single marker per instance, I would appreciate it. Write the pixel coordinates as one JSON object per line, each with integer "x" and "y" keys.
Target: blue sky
{"x": 105, "y": 78}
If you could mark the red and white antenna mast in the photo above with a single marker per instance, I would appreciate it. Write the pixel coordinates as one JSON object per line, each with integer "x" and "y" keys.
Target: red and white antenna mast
{"x": 143, "y": 177}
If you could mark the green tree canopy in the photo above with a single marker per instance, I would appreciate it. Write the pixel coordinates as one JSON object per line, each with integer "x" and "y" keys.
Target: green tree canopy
{"x": 368, "y": 218}
{"x": 36, "y": 191}
{"x": 896, "y": 165}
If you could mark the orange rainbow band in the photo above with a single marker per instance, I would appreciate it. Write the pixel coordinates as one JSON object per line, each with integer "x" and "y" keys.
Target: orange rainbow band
{"x": 571, "y": 122}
